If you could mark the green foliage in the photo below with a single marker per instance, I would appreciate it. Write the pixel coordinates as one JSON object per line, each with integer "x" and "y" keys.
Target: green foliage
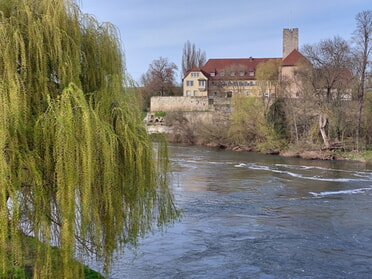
{"x": 368, "y": 155}
{"x": 77, "y": 165}
{"x": 277, "y": 118}
{"x": 268, "y": 71}
{"x": 247, "y": 120}
{"x": 160, "y": 113}
{"x": 273, "y": 143}
{"x": 365, "y": 156}
{"x": 91, "y": 274}
{"x": 251, "y": 126}
{"x": 31, "y": 245}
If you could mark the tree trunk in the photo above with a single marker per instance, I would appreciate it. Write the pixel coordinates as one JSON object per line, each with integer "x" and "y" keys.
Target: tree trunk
{"x": 323, "y": 120}
{"x": 359, "y": 120}
{"x": 363, "y": 35}
{"x": 360, "y": 108}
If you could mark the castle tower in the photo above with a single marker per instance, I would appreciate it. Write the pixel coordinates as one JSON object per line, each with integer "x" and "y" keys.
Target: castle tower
{"x": 290, "y": 41}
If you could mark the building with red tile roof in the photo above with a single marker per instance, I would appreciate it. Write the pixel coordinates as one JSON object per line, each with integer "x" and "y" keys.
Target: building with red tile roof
{"x": 225, "y": 77}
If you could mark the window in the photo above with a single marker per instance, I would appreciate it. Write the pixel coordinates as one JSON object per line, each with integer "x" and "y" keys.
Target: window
{"x": 194, "y": 74}
{"x": 212, "y": 74}
{"x": 189, "y": 83}
{"x": 222, "y": 73}
{"x": 195, "y": 93}
{"x": 202, "y": 83}
{"x": 232, "y": 74}
{"x": 251, "y": 73}
{"x": 242, "y": 73}
{"x": 187, "y": 92}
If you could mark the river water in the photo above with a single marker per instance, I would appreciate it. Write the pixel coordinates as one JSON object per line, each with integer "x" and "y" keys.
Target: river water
{"x": 248, "y": 215}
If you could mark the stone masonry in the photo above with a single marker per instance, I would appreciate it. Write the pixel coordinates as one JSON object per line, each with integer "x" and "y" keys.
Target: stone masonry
{"x": 290, "y": 41}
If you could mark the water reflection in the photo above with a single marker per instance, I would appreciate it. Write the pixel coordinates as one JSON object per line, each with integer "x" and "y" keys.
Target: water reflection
{"x": 248, "y": 215}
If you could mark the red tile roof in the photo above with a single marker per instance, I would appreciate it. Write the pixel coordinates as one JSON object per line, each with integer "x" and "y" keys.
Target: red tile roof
{"x": 196, "y": 69}
{"x": 242, "y": 67}
{"x": 293, "y": 58}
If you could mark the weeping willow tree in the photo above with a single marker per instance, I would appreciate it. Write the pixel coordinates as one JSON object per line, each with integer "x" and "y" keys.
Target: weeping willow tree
{"x": 77, "y": 169}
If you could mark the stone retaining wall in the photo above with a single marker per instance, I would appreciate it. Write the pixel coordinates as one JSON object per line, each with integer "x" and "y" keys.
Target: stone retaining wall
{"x": 173, "y": 103}
{"x": 181, "y": 103}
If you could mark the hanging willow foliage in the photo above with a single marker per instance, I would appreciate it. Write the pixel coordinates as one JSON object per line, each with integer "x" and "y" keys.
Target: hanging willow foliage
{"x": 77, "y": 169}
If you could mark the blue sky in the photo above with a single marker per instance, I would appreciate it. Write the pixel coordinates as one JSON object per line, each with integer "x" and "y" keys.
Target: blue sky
{"x": 223, "y": 29}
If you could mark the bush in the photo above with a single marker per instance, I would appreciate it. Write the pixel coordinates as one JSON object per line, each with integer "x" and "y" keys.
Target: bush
{"x": 160, "y": 113}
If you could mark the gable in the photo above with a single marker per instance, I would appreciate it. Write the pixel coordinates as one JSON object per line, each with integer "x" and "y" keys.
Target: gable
{"x": 294, "y": 58}
{"x": 201, "y": 73}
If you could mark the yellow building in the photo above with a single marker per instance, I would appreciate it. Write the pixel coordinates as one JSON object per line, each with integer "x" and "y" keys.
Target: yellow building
{"x": 195, "y": 83}
{"x": 226, "y": 77}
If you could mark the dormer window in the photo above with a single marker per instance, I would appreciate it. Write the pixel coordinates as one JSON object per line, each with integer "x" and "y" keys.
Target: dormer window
{"x": 242, "y": 73}
{"x": 212, "y": 74}
{"x": 251, "y": 73}
{"x": 232, "y": 74}
{"x": 222, "y": 73}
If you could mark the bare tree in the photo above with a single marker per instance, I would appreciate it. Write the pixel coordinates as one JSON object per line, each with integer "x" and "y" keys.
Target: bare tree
{"x": 160, "y": 77}
{"x": 192, "y": 57}
{"x": 328, "y": 78}
{"x": 267, "y": 74}
{"x": 363, "y": 39}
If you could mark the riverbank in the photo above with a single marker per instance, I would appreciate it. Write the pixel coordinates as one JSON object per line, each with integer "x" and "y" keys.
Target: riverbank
{"x": 184, "y": 129}
{"x": 314, "y": 154}
{"x": 365, "y": 157}
{"x": 303, "y": 152}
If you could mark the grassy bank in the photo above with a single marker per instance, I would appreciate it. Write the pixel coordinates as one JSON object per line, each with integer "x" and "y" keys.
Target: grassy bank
{"x": 314, "y": 153}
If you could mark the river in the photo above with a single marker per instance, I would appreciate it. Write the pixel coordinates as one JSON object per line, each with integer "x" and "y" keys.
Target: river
{"x": 248, "y": 215}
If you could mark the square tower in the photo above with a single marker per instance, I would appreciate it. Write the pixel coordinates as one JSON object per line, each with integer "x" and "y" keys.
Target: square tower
{"x": 290, "y": 41}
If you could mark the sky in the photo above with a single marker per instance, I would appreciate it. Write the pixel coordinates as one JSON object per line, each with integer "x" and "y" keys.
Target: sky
{"x": 150, "y": 29}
